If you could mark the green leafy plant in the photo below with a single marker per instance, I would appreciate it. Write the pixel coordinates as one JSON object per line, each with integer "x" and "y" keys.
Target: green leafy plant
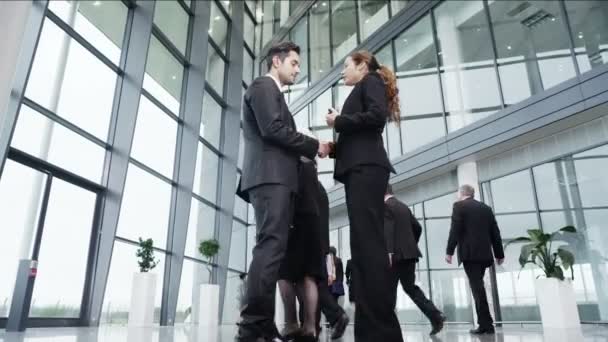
{"x": 208, "y": 249}
{"x": 538, "y": 251}
{"x": 145, "y": 253}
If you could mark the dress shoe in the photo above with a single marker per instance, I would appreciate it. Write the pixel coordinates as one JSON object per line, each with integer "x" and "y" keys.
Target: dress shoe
{"x": 339, "y": 327}
{"x": 437, "y": 324}
{"x": 482, "y": 330}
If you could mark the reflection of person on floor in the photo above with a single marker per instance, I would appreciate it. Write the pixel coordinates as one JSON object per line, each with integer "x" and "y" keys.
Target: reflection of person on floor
{"x": 337, "y": 276}
{"x": 402, "y": 233}
{"x": 348, "y": 274}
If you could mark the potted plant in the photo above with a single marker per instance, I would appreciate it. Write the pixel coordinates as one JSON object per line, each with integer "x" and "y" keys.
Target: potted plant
{"x": 143, "y": 292}
{"x": 554, "y": 292}
{"x": 209, "y": 298}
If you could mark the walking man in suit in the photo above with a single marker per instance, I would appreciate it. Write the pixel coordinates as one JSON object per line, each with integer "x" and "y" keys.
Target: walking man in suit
{"x": 269, "y": 182}
{"x": 402, "y": 233}
{"x": 475, "y": 231}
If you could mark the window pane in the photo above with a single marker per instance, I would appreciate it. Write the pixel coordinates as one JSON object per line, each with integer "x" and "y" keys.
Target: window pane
{"x": 512, "y": 193}
{"x": 394, "y": 139}
{"x": 205, "y": 174}
{"x": 211, "y": 122}
{"x": 318, "y": 109}
{"x": 215, "y": 70}
{"x": 320, "y": 58}
{"x": 266, "y": 18}
{"x": 439, "y": 230}
{"x": 468, "y": 75}
{"x": 299, "y": 35}
{"x": 344, "y": 30}
{"x": 385, "y": 56}
{"x": 589, "y": 24}
{"x": 532, "y": 45}
{"x": 155, "y": 138}
{"x": 598, "y": 151}
{"x": 201, "y": 226}
{"x": 552, "y": 189}
{"x": 592, "y": 181}
{"x": 241, "y": 150}
{"x": 516, "y": 288}
{"x": 163, "y": 78}
{"x": 60, "y": 81}
{"x": 70, "y": 214}
{"x": 145, "y": 208}
{"x": 440, "y": 206}
{"x": 398, "y": 5}
{"x": 171, "y": 18}
{"x": 327, "y": 180}
{"x": 43, "y": 138}
{"x": 218, "y": 27}
{"x": 516, "y": 225}
{"x": 251, "y": 232}
{"x": 21, "y": 191}
{"x": 451, "y": 292}
{"x": 416, "y": 133}
{"x": 101, "y": 23}
{"x": 238, "y": 247}
{"x": 342, "y": 91}
{"x": 232, "y": 300}
{"x": 193, "y": 275}
{"x": 247, "y": 67}
{"x": 372, "y": 14}
{"x": 249, "y": 31}
{"x": 301, "y": 119}
{"x": 117, "y": 299}
{"x": 597, "y": 261}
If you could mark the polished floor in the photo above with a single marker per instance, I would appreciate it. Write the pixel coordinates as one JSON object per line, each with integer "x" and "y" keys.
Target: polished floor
{"x": 456, "y": 333}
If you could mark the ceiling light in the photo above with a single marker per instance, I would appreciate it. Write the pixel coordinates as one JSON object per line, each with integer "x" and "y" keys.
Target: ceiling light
{"x": 508, "y": 47}
{"x": 97, "y": 3}
{"x": 217, "y": 17}
{"x": 324, "y": 4}
{"x": 174, "y": 77}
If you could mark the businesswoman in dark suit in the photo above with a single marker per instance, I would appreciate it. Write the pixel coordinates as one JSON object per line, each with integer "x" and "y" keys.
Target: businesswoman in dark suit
{"x": 363, "y": 167}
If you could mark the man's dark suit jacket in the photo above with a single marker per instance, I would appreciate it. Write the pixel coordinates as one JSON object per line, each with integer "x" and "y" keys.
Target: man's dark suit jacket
{"x": 360, "y": 125}
{"x": 401, "y": 230}
{"x": 475, "y": 231}
{"x": 272, "y": 144}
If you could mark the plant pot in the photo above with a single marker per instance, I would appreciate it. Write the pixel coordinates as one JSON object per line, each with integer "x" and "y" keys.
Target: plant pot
{"x": 143, "y": 293}
{"x": 557, "y": 304}
{"x": 209, "y": 305}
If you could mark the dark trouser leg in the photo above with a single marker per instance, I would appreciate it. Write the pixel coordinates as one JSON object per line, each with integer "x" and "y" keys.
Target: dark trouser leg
{"x": 475, "y": 273}
{"x": 407, "y": 275}
{"x": 375, "y": 318}
{"x": 328, "y": 304}
{"x": 273, "y": 206}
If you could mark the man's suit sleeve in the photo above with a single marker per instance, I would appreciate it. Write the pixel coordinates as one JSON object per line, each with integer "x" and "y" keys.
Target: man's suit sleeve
{"x": 416, "y": 227}
{"x": 267, "y": 110}
{"x": 499, "y": 252}
{"x": 389, "y": 229}
{"x": 374, "y": 96}
{"x": 455, "y": 229}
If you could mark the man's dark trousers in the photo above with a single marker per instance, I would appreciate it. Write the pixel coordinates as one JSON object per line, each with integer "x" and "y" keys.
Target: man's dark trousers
{"x": 273, "y": 207}
{"x": 475, "y": 272}
{"x": 406, "y": 274}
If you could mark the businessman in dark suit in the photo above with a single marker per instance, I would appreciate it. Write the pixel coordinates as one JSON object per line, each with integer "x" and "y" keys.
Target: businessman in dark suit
{"x": 475, "y": 231}
{"x": 269, "y": 182}
{"x": 402, "y": 233}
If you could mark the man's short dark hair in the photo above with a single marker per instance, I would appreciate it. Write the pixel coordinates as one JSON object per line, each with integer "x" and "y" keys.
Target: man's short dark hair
{"x": 389, "y": 190}
{"x": 332, "y": 250}
{"x": 282, "y": 50}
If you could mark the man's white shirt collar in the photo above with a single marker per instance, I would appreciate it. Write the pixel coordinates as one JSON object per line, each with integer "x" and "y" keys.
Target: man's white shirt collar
{"x": 275, "y": 81}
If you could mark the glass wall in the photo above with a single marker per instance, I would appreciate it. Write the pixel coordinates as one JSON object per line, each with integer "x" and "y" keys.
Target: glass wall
{"x": 463, "y": 60}
{"x": 68, "y": 123}
{"x": 567, "y": 191}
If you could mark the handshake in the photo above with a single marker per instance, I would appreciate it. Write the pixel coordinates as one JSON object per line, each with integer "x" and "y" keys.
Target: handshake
{"x": 326, "y": 148}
